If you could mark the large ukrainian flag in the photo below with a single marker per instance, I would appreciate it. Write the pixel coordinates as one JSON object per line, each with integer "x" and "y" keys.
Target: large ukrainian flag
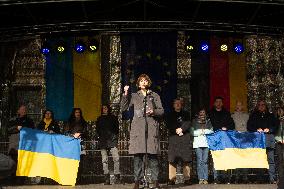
{"x": 232, "y": 149}
{"x": 53, "y": 156}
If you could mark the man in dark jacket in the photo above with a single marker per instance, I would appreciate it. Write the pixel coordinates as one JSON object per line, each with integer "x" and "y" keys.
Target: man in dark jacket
{"x": 14, "y": 127}
{"x": 261, "y": 120}
{"x": 221, "y": 120}
{"x": 108, "y": 128}
{"x": 178, "y": 123}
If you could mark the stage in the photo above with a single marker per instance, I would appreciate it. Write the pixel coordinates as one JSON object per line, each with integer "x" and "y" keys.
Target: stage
{"x": 129, "y": 186}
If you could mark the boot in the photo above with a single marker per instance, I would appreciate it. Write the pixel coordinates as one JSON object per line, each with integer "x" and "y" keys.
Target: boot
{"x": 136, "y": 185}
{"x": 156, "y": 184}
{"x": 107, "y": 179}
{"x": 117, "y": 179}
{"x": 171, "y": 182}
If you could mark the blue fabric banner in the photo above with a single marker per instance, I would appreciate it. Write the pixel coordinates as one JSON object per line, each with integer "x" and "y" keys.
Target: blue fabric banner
{"x": 59, "y": 80}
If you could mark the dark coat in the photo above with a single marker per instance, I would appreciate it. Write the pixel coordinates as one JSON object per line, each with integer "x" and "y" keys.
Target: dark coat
{"x": 14, "y": 132}
{"x": 137, "y": 131}
{"x": 221, "y": 119}
{"x": 179, "y": 146}
{"x": 107, "y": 127}
{"x": 264, "y": 120}
{"x": 79, "y": 126}
{"x": 53, "y": 126}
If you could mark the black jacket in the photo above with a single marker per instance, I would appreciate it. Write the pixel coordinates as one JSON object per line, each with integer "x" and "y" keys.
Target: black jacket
{"x": 19, "y": 121}
{"x": 262, "y": 120}
{"x": 107, "y": 129}
{"x": 221, "y": 119}
{"x": 179, "y": 146}
{"x": 77, "y": 126}
{"x": 53, "y": 126}
{"x": 176, "y": 120}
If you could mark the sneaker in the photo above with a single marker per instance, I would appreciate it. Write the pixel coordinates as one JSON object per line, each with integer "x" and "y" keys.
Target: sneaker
{"x": 201, "y": 181}
{"x": 272, "y": 182}
{"x": 205, "y": 182}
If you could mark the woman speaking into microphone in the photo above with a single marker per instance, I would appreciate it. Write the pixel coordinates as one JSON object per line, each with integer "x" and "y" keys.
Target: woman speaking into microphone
{"x": 144, "y": 132}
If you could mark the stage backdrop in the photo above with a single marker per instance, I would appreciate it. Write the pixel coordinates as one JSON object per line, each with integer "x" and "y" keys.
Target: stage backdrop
{"x": 73, "y": 80}
{"x": 155, "y": 55}
{"x": 217, "y": 73}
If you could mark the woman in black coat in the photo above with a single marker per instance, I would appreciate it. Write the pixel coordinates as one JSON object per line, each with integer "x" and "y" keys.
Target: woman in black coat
{"x": 77, "y": 127}
{"x": 179, "y": 150}
{"x": 48, "y": 123}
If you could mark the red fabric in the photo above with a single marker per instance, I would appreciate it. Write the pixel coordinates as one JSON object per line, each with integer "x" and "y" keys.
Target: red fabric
{"x": 219, "y": 72}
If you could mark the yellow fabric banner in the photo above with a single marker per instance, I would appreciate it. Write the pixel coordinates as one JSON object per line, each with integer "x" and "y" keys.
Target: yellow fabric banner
{"x": 232, "y": 158}
{"x": 47, "y": 165}
{"x": 237, "y": 76}
{"x": 87, "y": 82}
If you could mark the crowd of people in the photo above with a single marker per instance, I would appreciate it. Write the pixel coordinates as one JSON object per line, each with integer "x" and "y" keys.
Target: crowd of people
{"x": 144, "y": 142}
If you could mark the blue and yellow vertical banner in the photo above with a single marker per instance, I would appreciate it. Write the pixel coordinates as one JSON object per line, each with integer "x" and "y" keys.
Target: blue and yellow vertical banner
{"x": 73, "y": 80}
{"x": 87, "y": 82}
{"x": 59, "y": 80}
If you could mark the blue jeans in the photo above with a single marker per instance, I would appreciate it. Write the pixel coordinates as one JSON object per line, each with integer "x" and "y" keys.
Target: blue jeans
{"x": 202, "y": 163}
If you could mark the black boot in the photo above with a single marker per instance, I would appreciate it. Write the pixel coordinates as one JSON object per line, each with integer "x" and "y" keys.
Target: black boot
{"x": 171, "y": 182}
{"x": 136, "y": 185}
{"x": 117, "y": 179}
{"x": 107, "y": 179}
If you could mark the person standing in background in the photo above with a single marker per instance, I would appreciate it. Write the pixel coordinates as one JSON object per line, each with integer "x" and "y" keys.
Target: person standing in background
{"x": 240, "y": 118}
{"x": 261, "y": 120}
{"x": 201, "y": 127}
{"x": 221, "y": 120}
{"x": 47, "y": 123}
{"x": 76, "y": 127}
{"x": 279, "y": 138}
{"x": 179, "y": 150}
{"x": 14, "y": 127}
{"x": 107, "y": 127}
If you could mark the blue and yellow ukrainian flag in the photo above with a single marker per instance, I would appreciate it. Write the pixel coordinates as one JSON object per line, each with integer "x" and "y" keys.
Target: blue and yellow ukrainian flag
{"x": 53, "y": 156}
{"x": 232, "y": 149}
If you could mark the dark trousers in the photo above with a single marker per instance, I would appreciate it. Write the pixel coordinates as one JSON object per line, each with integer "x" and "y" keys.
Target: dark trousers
{"x": 80, "y": 169}
{"x": 271, "y": 162}
{"x": 280, "y": 164}
{"x": 139, "y": 166}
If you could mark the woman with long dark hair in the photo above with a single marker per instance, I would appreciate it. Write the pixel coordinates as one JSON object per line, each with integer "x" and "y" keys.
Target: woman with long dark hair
{"x": 76, "y": 127}
{"x": 76, "y": 124}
